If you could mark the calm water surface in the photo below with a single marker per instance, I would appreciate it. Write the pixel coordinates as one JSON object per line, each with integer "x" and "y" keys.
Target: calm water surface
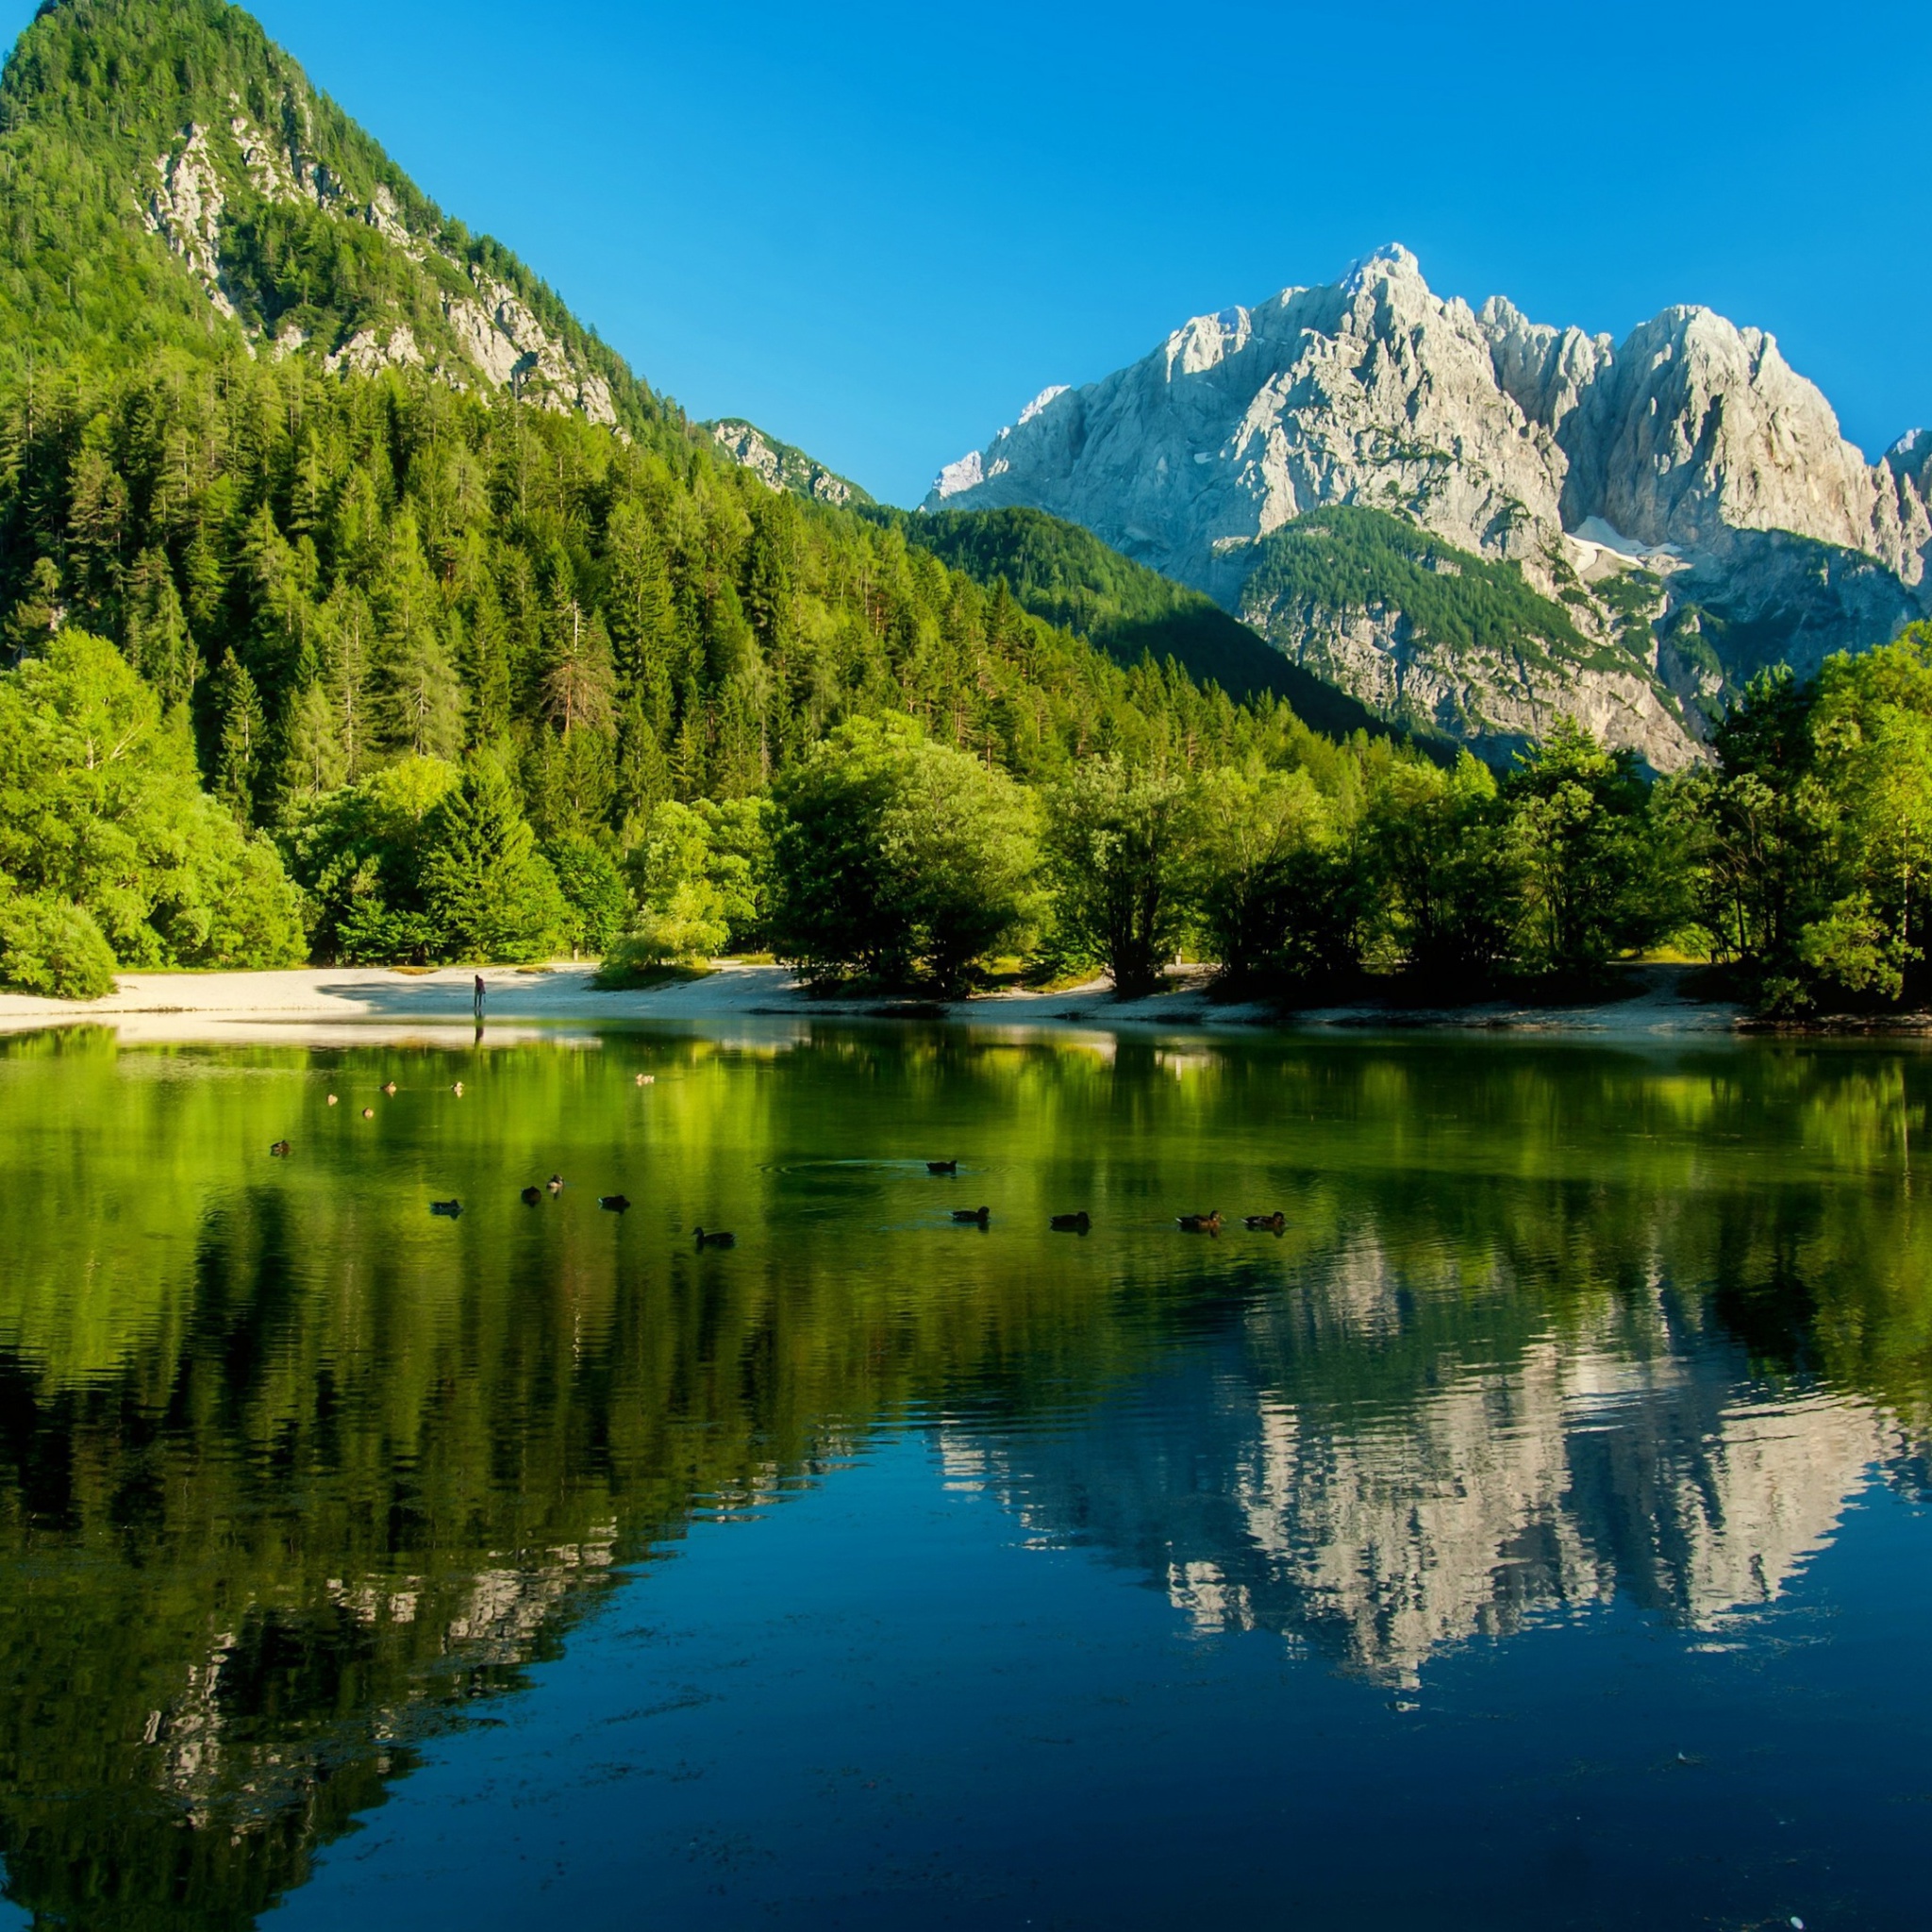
{"x": 1533, "y": 1534}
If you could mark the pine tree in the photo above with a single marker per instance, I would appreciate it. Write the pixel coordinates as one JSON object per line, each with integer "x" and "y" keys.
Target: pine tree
{"x": 312, "y": 760}
{"x": 156, "y": 630}
{"x": 242, "y": 736}
{"x": 488, "y": 891}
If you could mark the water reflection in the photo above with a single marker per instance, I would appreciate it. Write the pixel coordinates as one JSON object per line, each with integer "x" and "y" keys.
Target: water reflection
{"x": 1500, "y": 1493}
{"x": 292, "y": 1473}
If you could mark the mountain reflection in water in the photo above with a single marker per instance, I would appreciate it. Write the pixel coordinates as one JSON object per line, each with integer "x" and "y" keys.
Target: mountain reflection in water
{"x": 294, "y": 1475}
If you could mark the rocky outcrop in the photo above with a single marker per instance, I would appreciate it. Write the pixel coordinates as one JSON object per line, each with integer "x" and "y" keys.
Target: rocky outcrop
{"x": 493, "y": 332}
{"x": 1697, "y": 429}
{"x": 1497, "y": 702}
{"x": 184, "y": 210}
{"x": 1691, "y": 452}
{"x": 781, "y": 465}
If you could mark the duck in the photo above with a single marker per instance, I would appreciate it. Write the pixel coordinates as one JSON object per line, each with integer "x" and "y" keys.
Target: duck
{"x": 389, "y": 1087}
{"x": 1265, "y": 1223}
{"x": 982, "y": 1215}
{"x": 647, "y": 1079}
{"x": 368, "y": 1113}
{"x": 331, "y": 1100}
{"x": 278, "y": 1150}
{"x": 1071, "y": 1223}
{"x": 530, "y": 1196}
{"x": 943, "y": 1167}
{"x": 555, "y": 1184}
{"x": 715, "y": 1239}
{"x": 457, "y": 1090}
{"x": 1199, "y": 1224}
{"x": 451, "y": 1209}
{"x": 615, "y": 1203}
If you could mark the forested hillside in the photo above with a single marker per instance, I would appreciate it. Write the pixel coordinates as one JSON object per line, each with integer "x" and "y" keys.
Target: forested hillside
{"x": 1069, "y": 577}
{"x": 168, "y": 177}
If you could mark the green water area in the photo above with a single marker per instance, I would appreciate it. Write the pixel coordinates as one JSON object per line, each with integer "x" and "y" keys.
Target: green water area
{"x": 1527, "y": 1528}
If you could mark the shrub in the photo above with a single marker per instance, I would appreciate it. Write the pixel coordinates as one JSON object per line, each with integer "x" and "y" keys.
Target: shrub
{"x": 53, "y": 946}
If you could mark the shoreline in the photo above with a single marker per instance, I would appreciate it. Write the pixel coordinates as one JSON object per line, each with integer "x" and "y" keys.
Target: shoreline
{"x": 316, "y": 1003}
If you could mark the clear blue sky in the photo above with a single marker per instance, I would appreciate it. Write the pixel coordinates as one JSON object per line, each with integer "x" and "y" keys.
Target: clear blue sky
{"x": 878, "y": 229}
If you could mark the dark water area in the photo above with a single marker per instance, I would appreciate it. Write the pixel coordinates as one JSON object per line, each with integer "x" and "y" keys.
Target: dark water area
{"x": 1533, "y": 1532}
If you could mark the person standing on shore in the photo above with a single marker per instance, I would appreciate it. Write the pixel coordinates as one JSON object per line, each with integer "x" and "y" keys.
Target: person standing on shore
{"x": 480, "y": 999}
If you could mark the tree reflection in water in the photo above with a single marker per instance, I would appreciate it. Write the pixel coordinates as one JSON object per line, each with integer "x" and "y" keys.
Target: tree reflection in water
{"x": 292, "y": 1473}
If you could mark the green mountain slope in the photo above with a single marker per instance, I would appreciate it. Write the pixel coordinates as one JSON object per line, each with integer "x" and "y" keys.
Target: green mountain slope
{"x": 1444, "y": 642}
{"x": 169, "y": 178}
{"x": 1067, "y": 575}
{"x": 340, "y": 553}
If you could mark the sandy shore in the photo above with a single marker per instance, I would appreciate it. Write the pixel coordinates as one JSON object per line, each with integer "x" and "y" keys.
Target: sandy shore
{"x": 321, "y": 1003}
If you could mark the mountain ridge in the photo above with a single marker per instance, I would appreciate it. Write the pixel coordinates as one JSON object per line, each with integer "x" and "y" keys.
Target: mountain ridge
{"x": 298, "y": 232}
{"x": 1692, "y": 454}
{"x": 185, "y": 190}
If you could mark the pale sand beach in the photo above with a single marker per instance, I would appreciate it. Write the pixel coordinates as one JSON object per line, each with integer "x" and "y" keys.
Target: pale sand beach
{"x": 315, "y": 1002}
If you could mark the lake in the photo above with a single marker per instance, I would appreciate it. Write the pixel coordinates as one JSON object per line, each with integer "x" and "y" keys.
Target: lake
{"x": 1533, "y": 1532}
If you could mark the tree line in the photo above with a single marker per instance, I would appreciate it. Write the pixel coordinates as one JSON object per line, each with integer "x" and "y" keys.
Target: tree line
{"x": 1794, "y": 863}
{"x": 368, "y": 671}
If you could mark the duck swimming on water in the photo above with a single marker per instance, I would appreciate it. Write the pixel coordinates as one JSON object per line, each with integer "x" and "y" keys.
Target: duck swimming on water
{"x": 1199, "y": 1224}
{"x": 1071, "y": 1223}
{"x": 530, "y": 1196}
{"x": 555, "y": 1184}
{"x": 1265, "y": 1223}
{"x": 715, "y": 1239}
{"x": 278, "y": 1150}
{"x": 943, "y": 1167}
{"x": 450, "y": 1208}
{"x": 982, "y": 1215}
{"x": 615, "y": 1204}
{"x": 389, "y": 1087}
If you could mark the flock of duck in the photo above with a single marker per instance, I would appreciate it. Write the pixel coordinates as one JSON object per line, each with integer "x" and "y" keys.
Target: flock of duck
{"x": 1208, "y": 1224}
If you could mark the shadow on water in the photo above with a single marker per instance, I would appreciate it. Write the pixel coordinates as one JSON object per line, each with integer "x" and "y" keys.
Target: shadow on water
{"x": 294, "y": 1475}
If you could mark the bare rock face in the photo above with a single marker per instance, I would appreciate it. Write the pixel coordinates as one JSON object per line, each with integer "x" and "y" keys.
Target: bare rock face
{"x": 493, "y": 332}
{"x": 780, "y": 465}
{"x": 1692, "y": 458}
{"x": 1495, "y": 701}
{"x": 1371, "y": 391}
{"x": 1698, "y": 428}
{"x": 184, "y": 210}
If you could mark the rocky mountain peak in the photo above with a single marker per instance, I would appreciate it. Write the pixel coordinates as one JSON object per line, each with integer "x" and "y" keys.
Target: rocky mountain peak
{"x": 1691, "y": 449}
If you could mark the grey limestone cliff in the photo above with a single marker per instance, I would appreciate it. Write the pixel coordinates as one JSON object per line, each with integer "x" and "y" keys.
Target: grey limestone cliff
{"x": 1685, "y": 500}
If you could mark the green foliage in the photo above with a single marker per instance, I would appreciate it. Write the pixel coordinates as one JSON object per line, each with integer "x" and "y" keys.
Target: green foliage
{"x": 356, "y": 852}
{"x": 1279, "y": 891}
{"x": 382, "y": 568}
{"x": 683, "y": 912}
{"x": 1120, "y": 844}
{"x": 595, "y": 896}
{"x": 1809, "y": 846}
{"x": 53, "y": 946}
{"x": 1586, "y": 855}
{"x": 1068, "y": 576}
{"x": 96, "y": 91}
{"x": 738, "y": 835}
{"x": 899, "y": 859}
{"x": 1435, "y": 844}
{"x": 489, "y": 894}
{"x": 100, "y": 809}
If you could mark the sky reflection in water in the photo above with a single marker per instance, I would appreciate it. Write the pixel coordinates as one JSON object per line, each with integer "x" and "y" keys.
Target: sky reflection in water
{"x": 1532, "y": 1533}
